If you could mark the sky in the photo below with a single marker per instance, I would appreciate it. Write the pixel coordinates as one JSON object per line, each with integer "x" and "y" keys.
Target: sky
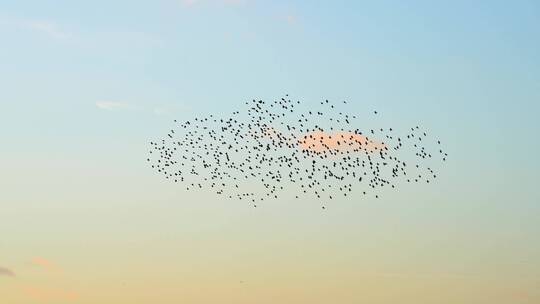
{"x": 87, "y": 85}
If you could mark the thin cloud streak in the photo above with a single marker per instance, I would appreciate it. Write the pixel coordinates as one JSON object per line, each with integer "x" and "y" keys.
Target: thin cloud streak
{"x": 45, "y": 264}
{"x": 113, "y": 105}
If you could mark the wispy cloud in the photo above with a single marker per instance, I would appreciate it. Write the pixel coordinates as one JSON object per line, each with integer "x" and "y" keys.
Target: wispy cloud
{"x": 114, "y": 105}
{"x": 45, "y": 264}
{"x": 6, "y": 272}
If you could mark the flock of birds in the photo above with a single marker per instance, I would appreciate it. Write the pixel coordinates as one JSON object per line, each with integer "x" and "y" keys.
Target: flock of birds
{"x": 273, "y": 149}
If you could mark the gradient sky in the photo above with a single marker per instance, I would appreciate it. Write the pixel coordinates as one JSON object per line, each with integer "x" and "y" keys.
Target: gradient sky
{"x": 85, "y": 85}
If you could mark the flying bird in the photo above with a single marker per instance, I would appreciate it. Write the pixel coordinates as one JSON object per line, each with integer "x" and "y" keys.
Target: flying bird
{"x": 257, "y": 153}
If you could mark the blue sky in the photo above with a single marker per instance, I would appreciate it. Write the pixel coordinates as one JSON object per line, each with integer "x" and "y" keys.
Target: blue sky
{"x": 86, "y": 86}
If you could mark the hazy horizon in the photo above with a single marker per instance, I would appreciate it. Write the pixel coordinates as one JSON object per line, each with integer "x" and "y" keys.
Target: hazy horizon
{"x": 87, "y": 85}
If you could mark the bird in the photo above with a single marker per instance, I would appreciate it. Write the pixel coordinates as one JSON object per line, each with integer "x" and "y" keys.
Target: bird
{"x": 270, "y": 148}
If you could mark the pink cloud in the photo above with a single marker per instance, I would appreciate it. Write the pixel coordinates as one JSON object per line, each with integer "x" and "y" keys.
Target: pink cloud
{"x": 45, "y": 264}
{"x": 322, "y": 142}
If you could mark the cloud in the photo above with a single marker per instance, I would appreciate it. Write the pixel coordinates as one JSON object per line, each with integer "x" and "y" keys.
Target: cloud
{"x": 322, "y": 142}
{"x": 6, "y": 272}
{"x": 45, "y": 264}
{"x": 113, "y": 105}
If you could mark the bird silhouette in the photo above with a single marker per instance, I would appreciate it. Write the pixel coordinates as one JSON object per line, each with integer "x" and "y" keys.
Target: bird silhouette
{"x": 272, "y": 148}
